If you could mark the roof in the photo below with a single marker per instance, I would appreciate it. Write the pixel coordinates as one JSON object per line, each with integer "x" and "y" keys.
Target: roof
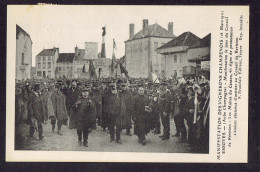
{"x": 65, "y": 58}
{"x": 185, "y": 39}
{"x": 20, "y": 30}
{"x": 154, "y": 30}
{"x": 48, "y": 52}
{"x": 80, "y": 55}
{"x": 205, "y": 42}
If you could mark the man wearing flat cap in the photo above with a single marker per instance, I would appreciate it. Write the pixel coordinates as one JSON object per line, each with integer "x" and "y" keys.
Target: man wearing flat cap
{"x": 126, "y": 98}
{"x": 85, "y": 117}
{"x": 59, "y": 108}
{"x": 35, "y": 111}
{"x": 189, "y": 115}
{"x": 164, "y": 101}
{"x": 113, "y": 111}
{"x": 73, "y": 94}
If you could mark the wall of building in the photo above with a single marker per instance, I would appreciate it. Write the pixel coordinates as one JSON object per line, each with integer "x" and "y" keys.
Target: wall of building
{"x": 195, "y": 52}
{"x": 91, "y": 50}
{"x": 23, "y": 48}
{"x": 158, "y": 60}
{"x": 137, "y": 56}
{"x": 64, "y": 70}
{"x": 98, "y": 63}
{"x": 46, "y": 65}
{"x": 136, "y": 52}
{"x": 173, "y": 66}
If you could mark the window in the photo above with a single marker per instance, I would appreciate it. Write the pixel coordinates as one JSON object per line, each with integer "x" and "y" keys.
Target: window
{"x": 39, "y": 58}
{"x": 22, "y": 58}
{"x": 59, "y": 68}
{"x": 181, "y": 59}
{"x": 44, "y": 58}
{"x": 49, "y": 65}
{"x": 49, "y": 58}
{"x": 39, "y": 65}
{"x": 175, "y": 58}
{"x": 44, "y": 74}
{"x": 39, "y": 73}
{"x": 49, "y": 74}
{"x": 155, "y": 46}
{"x": 44, "y": 65}
{"x": 63, "y": 68}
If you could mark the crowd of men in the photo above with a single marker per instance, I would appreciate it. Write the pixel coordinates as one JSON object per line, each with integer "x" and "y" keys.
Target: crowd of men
{"x": 137, "y": 106}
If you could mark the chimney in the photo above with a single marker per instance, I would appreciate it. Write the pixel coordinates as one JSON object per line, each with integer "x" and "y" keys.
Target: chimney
{"x": 76, "y": 50}
{"x": 170, "y": 27}
{"x": 145, "y": 23}
{"x": 131, "y": 30}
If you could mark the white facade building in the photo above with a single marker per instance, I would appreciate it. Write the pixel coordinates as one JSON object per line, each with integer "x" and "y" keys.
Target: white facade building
{"x": 46, "y": 63}
{"x": 23, "y": 54}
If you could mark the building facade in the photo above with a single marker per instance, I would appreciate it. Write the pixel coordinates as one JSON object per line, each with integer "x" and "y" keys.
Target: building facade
{"x": 64, "y": 65}
{"x": 177, "y": 53}
{"x": 200, "y": 54}
{"x": 23, "y": 54}
{"x": 46, "y": 63}
{"x": 52, "y": 64}
{"x": 140, "y": 49}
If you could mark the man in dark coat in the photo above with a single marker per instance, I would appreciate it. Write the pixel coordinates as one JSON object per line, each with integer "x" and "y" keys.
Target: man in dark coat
{"x": 140, "y": 104}
{"x": 104, "y": 104}
{"x": 97, "y": 97}
{"x": 165, "y": 110}
{"x": 59, "y": 108}
{"x": 126, "y": 96}
{"x": 179, "y": 115}
{"x": 113, "y": 111}
{"x": 35, "y": 111}
{"x": 85, "y": 118}
{"x": 189, "y": 116}
{"x": 155, "y": 113}
{"x": 72, "y": 95}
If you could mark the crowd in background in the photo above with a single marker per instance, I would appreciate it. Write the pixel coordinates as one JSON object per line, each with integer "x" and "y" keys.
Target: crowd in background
{"x": 135, "y": 105}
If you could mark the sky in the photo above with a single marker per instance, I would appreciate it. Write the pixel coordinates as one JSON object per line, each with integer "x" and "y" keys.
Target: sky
{"x": 65, "y": 26}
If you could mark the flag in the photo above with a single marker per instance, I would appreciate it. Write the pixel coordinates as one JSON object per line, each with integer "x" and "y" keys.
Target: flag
{"x": 84, "y": 69}
{"x": 103, "y": 48}
{"x": 155, "y": 78}
{"x": 92, "y": 71}
{"x": 113, "y": 65}
{"x": 114, "y": 44}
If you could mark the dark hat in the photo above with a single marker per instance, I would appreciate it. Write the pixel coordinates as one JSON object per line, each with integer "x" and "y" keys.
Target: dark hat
{"x": 37, "y": 86}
